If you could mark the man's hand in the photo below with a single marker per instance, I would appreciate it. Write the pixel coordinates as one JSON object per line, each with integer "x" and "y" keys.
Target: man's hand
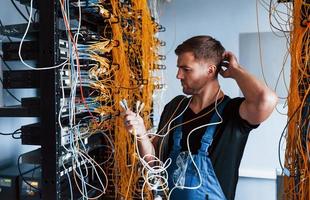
{"x": 259, "y": 99}
{"x": 230, "y": 63}
{"x": 135, "y": 122}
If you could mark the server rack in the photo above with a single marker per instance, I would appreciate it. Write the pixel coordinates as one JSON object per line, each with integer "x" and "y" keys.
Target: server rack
{"x": 49, "y": 84}
{"x": 47, "y": 37}
{"x": 43, "y": 48}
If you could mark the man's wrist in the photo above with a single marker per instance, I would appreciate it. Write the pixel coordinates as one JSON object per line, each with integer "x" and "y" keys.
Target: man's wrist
{"x": 143, "y": 136}
{"x": 236, "y": 72}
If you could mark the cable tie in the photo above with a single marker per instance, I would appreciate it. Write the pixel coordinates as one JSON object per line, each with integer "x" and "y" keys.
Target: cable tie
{"x": 286, "y": 172}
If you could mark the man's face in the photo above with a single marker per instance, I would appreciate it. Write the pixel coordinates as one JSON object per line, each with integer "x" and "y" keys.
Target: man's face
{"x": 192, "y": 74}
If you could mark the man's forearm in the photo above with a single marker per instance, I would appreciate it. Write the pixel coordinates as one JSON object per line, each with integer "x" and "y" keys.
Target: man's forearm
{"x": 146, "y": 148}
{"x": 253, "y": 90}
{"x": 259, "y": 99}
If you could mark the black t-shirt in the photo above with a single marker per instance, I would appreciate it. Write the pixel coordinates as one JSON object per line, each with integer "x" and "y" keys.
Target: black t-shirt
{"x": 228, "y": 142}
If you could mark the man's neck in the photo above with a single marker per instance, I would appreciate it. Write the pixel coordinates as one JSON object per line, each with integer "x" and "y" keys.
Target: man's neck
{"x": 208, "y": 95}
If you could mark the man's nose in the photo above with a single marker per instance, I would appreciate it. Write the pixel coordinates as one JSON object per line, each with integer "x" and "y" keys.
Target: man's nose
{"x": 179, "y": 74}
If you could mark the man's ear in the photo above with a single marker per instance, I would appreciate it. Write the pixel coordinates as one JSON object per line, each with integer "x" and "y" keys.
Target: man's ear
{"x": 212, "y": 69}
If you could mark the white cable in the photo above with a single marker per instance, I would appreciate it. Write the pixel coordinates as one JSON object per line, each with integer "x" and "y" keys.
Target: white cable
{"x": 93, "y": 163}
{"x": 80, "y": 158}
{"x": 84, "y": 161}
{"x": 22, "y": 41}
{"x": 80, "y": 176}
{"x": 168, "y": 128}
{"x": 69, "y": 180}
{"x": 148, "y": 172}
{"x": 190, "y": 153}
{"x": 154, "y": 171}
{"x": 162, "y": 168}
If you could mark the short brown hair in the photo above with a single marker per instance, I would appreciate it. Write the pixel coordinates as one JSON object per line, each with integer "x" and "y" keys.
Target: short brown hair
{"x": 204, "y": 48}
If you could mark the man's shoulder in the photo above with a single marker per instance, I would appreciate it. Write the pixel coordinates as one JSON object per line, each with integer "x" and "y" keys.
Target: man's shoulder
{"x": 232, "y": 106}
{"x": 173, "y": 104}
{"x": 234, "y": 101}
{"x": 177, "y": 99}
{"x": 232, "y": 114}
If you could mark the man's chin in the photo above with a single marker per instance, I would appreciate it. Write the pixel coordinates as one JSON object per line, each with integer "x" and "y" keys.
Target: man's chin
{"x": 187, "y": 92}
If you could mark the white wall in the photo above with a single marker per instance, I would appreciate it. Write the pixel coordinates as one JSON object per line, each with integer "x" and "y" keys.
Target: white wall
{"x": 269, "y": 70}
{"x": 223, "y": 19}
{"x": 226, "y": 21}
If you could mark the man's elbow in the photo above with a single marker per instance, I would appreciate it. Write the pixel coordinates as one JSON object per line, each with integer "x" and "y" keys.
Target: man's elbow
{"x": 267, "y": 104}
{"x": 269, "y": 100}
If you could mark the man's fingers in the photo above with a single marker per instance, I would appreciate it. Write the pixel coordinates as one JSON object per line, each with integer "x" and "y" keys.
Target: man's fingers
{"x": 225, "y": 55}
{"x": 130, "y": 117}
{"x": 129, "y": 112}
{"x": 132, "y": 122}
{"x": 224, "y": 63}
{"x": 223, "y": 73}
{"x": 228, "y": 56}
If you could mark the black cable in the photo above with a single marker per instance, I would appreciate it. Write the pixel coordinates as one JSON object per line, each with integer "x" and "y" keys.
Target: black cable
{"x": 8, "y": 91}
{"x": 37, "y": 189}
{"x": 8, "y": 133}
{"x": 2, "y": 26}
{"x": 35, "y": 16}
{"x": 28, "y": 13}
{"x": 282, "y": 134}
{"x": 19, "y": 11}
{"x": 5, "y": 63}
{"x": 270, "y": 19}
{"x": 32, "y": 176}
{"x": 16, "y": 132}
{"x": 9, "y": 68}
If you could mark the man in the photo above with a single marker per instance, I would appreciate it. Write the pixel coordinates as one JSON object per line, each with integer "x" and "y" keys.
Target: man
{"x": 206, "y": 133}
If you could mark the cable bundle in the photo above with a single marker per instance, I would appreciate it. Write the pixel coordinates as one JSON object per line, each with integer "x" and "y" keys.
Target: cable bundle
{"x": 124, "y": 71}
{"x": 81, "y": 165}
{"x": 297, "y": 157}
{"x": 98, "y": 73}
{"x": 136, "y": 57}
{"x": 291, "y": 18}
